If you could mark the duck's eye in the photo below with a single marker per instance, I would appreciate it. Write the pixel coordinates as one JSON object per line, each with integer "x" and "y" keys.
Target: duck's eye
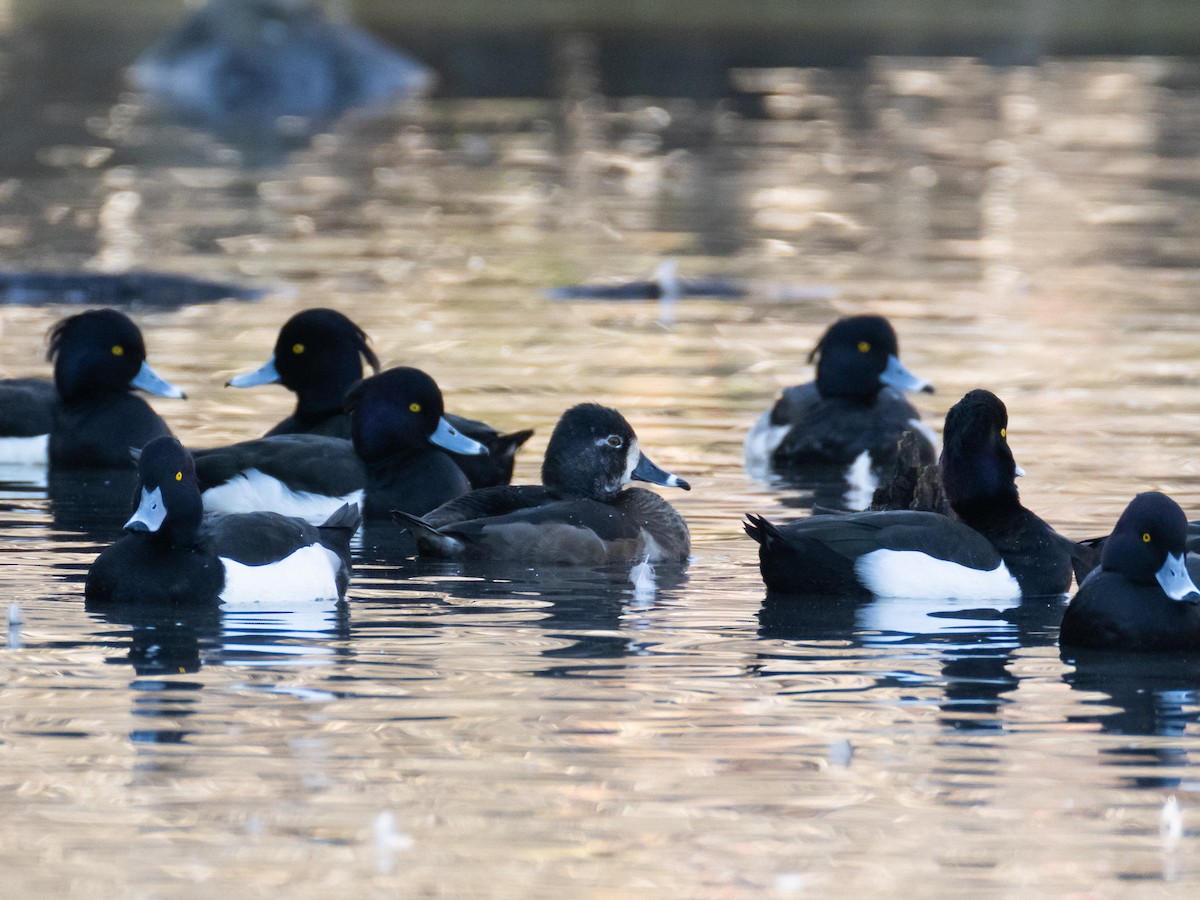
{"x": 614, "y": 440}
{"x": 864, "y": 347}
{"x": 414, "y": 407}
{"x": 118, "y": 350}
{"x": 179, "y": 476}
{"x": 1003, "y": 432}
{"x": 1145, "y": 537}
{"x": 297, "y": 349}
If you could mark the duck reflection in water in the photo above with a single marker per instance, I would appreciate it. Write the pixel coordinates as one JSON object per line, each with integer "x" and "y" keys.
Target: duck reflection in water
{"x": 169, "y": 639}
{"x": 592, "y": 614}
{"x": 1140, "y": 695}
{"x": 969, "y": 646}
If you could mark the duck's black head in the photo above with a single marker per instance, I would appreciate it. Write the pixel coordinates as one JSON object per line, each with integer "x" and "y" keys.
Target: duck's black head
{"x": 977, "y": 463}
{"x": 168, "y": 495}
{"x": 398, "y": 413}
{"x": 1149, "y": 544}
{"x": 318, "y": 355}
{"x": 593, "y": 453}
{"x": 102, "y": 352}
{"x": 858, "y": 356}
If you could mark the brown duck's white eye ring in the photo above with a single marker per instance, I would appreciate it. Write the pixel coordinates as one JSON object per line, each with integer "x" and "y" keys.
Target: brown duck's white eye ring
{"x": 414, "y": 407}
{"x": 864, "y": 347}
{"x": 118, "y": 350}
{"x": 614, "y": 440}
{"x": 1146, "y": 537}
{"x": 297, "y": 348}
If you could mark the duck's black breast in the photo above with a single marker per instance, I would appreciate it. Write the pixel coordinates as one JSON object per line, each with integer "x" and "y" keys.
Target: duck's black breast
{"x": 26, "y": 407}
{"x": 1038, "y": 557}
{"x": 100, "y": 433}
{"x": 415, "y": 484}
{"x": 836, "y": 429}
{"x": 140, "y": 570}
{"x": 1110, "y": 612}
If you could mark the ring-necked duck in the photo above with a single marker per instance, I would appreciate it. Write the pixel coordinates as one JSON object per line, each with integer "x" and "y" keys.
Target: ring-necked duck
{"x": 319, "y": 356}
{"x": 854, "y": 406}
{"x": 1141, "y": 597}
{"x": 174, "y": 553}
{"x": 582, "y": 514}
{"x": 395, "y": 459}
{"x": 996, "y": 549}
{"x": 90, "y": 415}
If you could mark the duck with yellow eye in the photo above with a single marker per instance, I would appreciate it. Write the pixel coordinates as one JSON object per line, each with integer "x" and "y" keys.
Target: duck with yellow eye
{"x": 320, "y": 354}
{"x": 853, "y": 413}
{"x": 992, "y": 549}
{"x": 1142, "y": 596}
{"x": 88, "y": 418}
{"x": 397, "y": 458}
{"x": 174, "y": 554}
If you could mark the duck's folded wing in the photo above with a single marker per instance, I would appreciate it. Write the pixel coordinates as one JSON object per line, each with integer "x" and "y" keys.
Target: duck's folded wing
{"x": 488, "y": 502}
{"x": 256, "y": 539}
{"x": 901, "y": 530}
{"x": 306, "y": 462}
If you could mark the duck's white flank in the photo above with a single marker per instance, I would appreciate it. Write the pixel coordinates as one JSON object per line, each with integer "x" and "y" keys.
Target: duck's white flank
{"x": 252, "y": 491}
{"x": 861, "y": 482}
{"x": 25, "y": 451}
{"x": 909, "y": 573}
{"x": 309, "y": 573}
{"x": 762, "y": 441}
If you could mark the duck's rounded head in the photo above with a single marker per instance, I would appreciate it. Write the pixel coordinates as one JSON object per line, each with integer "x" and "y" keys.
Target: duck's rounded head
{"x": 1149, "y": 544}
{"x": 976, "y": 461}
{"x": 593, "y": 453}
{"x": 858, "y": 356}
{"x": 399, "y": 412}
{"x": 316, "y": 349}
{"x": 168, "y": 495}
{"x": 101, "y": 351}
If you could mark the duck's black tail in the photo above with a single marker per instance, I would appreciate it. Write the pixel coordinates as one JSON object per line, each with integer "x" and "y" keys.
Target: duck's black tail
{"x": 339, "y": 528}
{"x": 430, "y": 541}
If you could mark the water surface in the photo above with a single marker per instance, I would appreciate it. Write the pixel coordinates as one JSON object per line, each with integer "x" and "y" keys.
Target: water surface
{"x": 675, "y": 733}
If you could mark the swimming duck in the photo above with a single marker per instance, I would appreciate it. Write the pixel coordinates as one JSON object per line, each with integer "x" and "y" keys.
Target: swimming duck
{"x": 581, "y": 514}
{"x": 88, "y": 418}
{"x": 174, "y": 553}
{"x": 251, "y": 63}
{"x": 1141, "y": 597}
{"x": 854, "y": 407}
{"x": 994, "y": 548}
{"x": 319, "y": 356}
{"x": 395, "y": 459}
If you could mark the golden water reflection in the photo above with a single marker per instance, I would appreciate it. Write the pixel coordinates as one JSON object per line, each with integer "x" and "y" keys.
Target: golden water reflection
{"x": 1032, "y": 231}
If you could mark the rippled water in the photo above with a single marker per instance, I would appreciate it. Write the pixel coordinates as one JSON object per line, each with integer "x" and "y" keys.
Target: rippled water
{"x": 520, "y": 733}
